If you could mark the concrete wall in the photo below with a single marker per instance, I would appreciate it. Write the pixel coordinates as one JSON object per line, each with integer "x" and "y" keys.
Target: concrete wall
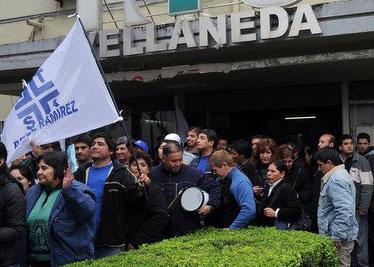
{"x": 6, "y": 104}
{"x": 344, "y": 25}
{"x": 13, "y": 14}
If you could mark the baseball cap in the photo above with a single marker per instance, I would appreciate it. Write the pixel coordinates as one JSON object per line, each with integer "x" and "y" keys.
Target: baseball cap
{"x": 173, "y": 137}
{"x": 142, "y": 145}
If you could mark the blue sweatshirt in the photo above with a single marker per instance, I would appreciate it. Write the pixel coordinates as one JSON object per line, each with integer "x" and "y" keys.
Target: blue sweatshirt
{"x": 242, "y": 190}
{"x": 96, "y": 180}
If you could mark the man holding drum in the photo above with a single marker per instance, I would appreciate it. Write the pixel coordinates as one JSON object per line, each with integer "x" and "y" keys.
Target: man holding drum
{"x": 174, "y": 178}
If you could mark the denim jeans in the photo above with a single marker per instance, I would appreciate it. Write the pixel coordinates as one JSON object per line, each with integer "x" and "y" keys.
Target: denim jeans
{"x": 101, "y": 252}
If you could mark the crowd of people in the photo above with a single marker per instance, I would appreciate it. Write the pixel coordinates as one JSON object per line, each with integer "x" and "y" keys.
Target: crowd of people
{"x": 119, "y": 198}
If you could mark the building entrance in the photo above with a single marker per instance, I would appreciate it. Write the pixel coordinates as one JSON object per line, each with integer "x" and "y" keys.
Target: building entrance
{"x": 289, "y": 113}
{"x": 297, "y": 113}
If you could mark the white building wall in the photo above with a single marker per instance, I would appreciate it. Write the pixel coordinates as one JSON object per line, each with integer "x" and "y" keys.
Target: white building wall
{"x": 14, "y": 13}
{"x": 6, "y": 104}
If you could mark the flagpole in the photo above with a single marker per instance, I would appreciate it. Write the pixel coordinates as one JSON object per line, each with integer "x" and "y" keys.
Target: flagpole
{"x": 110, "y": 93}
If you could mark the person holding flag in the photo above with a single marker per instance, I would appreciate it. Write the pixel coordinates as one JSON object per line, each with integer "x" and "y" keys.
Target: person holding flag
{"x": 66, "y": 97}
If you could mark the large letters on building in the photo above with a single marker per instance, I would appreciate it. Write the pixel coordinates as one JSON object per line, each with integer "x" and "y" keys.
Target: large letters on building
{"x": 274, "y": 23}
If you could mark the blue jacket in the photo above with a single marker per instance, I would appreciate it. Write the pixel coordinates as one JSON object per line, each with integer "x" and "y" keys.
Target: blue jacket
{"x": 195, "y": 162}
{"x": 336, "y": 210}
{"x": 242, "y": 190}
{"x": 71, "y": 224}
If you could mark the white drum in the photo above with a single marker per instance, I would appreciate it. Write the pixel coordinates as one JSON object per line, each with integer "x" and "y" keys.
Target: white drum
{"x": 194, "y": 198}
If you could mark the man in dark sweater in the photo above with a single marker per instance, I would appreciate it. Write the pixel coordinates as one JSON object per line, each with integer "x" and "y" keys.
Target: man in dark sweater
{"x": 174, "y": 177}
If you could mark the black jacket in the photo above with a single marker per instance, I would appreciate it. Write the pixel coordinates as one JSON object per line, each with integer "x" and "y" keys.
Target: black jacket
{"x": 229, "y": 208}
{"x": 12, "y": 221}
{"x": 284, "y": 198}
{"x": 261, "y": 170}
{"x": 181, "y": 221}
{"x": 121, "y": 198}
{"x": 301, "y": 182}
{"x": 148, "y": 223}
{"x": 316, "y": 188}
{"x": 299, "y": 163}
{"x": 249, "y": 170}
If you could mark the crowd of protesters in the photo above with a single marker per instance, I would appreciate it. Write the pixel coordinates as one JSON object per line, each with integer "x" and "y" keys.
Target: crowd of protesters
{"x": 119, "y": 198}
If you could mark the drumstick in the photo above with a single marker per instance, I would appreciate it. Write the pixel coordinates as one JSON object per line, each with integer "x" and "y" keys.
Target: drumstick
{"x": 172, "y": 202}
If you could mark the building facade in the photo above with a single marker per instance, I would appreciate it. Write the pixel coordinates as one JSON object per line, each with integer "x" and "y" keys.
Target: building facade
{"x": 291, "y": 71}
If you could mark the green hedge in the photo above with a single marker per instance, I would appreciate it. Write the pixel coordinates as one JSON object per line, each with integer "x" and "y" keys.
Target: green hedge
{"x": 215, "y": 247}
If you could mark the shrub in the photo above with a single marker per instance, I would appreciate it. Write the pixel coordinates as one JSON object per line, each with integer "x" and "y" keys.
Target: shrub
{"x": 254, "y": 246}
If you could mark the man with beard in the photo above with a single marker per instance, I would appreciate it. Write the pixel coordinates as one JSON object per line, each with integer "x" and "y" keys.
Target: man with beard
{"x": 174, "y": 177}
{"x": 360, "y": 171}
{"x": 116, "y": 193}
{"x": 192, "y": 136}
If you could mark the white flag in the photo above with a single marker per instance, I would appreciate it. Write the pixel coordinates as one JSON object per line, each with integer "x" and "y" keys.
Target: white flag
{"x": 67, "y": 96}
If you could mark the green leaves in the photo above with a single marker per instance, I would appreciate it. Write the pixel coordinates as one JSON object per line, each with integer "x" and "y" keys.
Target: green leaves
{"x": 255, "y": 246}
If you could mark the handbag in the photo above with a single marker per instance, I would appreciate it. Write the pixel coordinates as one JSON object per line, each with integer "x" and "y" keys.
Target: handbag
{"x": 304, "y": 224}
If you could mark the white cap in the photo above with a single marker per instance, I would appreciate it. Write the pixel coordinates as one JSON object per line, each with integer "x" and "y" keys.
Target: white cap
{"x": 173, "y": 137}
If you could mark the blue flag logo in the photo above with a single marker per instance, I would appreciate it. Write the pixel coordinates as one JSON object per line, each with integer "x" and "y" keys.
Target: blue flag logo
{"x": 38, "y": 106}
{"x": 28, "y": 106}
{"x": 67, "y": 96}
